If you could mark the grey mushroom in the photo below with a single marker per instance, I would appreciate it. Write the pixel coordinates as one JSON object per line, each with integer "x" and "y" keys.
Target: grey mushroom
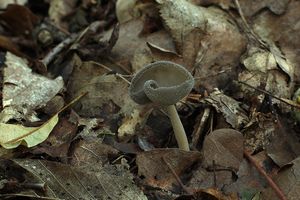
{"x": 164, "y": 83}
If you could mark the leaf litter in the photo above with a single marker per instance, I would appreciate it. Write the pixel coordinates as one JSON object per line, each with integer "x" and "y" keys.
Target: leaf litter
{"x": 243, "y": 58}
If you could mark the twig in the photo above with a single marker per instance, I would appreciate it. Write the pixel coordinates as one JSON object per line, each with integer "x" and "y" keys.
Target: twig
{"x": 286, "y": 101}
{"x": 272, "y": 184}
{"x": 214, "y": 172}
{"x": 50, "y": 56}
{"x": 186, "y": 189}
{"x": 237, "y": 4}
{"x": 108, "y": 69}
{"x": 199, "y": 131}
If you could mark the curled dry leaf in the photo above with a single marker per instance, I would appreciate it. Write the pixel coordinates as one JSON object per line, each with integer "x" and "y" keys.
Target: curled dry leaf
{"x": 262, "y": 72}
{"x": 229, "y": 107}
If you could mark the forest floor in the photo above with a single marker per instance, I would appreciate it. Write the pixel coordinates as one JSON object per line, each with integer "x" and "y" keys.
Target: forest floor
{"x": 70, "y": 129}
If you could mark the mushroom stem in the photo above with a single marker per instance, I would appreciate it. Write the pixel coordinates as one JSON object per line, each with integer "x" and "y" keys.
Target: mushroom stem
{"x": 178, "y": 128}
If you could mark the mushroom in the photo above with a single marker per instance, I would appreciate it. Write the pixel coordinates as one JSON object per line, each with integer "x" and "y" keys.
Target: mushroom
{"x": 164, "y": 83}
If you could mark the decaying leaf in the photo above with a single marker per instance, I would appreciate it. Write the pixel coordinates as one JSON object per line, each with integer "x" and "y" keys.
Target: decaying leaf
{"x": 137, "y": 118}
{"x": 262, "y": 72}
{"x": 203, "y": 37}
{"x": 283, "y": 30}
{"x": 288, "y": 179}
{"x": 224, "y": 147}
{"x": 108, "y": 97}
{"x": 250, "y": 8}
{"x": 249, "y": 182}
{"x": 93, "y": 152}
{"x": 229, "y": 107}
{"x": 210, "y": 194}
{"x": 283, "y": 145}
{"x": 58, "y": 142}
{"x": 25, "y": 91}
{"x": 214, "y": 176}
{"x": 90, "y": 182}
{"x": 108, "y": 94}
{"x": 155, "y": 165}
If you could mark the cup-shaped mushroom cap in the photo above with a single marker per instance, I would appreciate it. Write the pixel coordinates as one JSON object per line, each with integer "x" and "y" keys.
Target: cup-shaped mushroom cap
{"x": 161, "y": 82}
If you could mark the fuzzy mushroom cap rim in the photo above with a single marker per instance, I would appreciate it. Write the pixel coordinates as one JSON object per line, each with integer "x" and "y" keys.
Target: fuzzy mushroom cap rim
{"x": 161, "y": 82}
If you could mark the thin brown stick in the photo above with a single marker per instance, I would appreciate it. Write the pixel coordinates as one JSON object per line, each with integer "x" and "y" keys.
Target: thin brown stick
{"x": 186, "y": 189}
{"x": 248, "y": 28}
{"x": 199, "y": 131}
{"x": 286, "y": 101}
{"x": 214, "y": 172}
{"x": 272, "y": 184}
{"x": 108, "y": 69}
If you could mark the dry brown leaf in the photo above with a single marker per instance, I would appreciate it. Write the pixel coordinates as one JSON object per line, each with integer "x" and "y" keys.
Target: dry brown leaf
{"x": 288, "y": 179}
{"x": 92, "y": 152}
{"x": 20, "y": 24}
{"x": 224, "y": 147}
{"x": 108, "y": 97}
{"x": 88, "y": 182}
{"x": 58, "y": 143}
{"x": 269, "y": 71}
{"x": 203, "y": 37}
{"x": 283, "y": 145}
{"x": 156, "y": 172}
{"x": 209, "y": 194}
{"x": 7, "y": 44}
{"x": 283, "y": 30}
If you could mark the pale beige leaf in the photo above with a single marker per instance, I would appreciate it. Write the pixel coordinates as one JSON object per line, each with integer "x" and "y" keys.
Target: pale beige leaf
{"x": 125, "y": 10}
{"x": 12, "y": 135}
{"x": 5, "y": 3}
